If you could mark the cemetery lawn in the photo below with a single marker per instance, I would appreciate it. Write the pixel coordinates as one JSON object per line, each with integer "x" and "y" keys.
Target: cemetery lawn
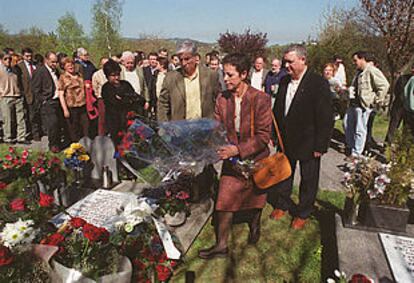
{"x": 281, "y": 255}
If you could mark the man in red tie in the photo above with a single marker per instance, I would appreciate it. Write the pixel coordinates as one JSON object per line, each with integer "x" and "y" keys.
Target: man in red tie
{"x": 25, "y": 70}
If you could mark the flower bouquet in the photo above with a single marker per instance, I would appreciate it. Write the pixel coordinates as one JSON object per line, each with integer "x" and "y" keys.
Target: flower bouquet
{"x": 17, "y": 261}
{"x": 82, "y": 251}
{"x": 76, "y": 158}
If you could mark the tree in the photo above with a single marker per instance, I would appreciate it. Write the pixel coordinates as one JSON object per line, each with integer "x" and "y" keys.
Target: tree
{"x": 34, "y": 38}
{"x": 69, "y": 33}
{"x": 249, "y": 43}
{"x": 106, "y": 25}
{"x": 394, "y": 21}
{"x": 3, "y": 36}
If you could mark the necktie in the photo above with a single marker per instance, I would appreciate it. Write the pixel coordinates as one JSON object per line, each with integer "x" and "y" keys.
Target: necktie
{"x": 31, "y": 69}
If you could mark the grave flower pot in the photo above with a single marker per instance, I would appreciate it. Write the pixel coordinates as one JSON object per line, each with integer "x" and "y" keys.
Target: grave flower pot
{"x": 374, "y": 214}
{"x": 351, "y": 211}
{"x": 175, "y": 220}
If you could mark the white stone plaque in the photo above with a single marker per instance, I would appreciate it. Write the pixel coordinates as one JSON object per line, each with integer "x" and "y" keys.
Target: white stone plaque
{"x": 98, "y": 208}
{"x": 400, "y": 256}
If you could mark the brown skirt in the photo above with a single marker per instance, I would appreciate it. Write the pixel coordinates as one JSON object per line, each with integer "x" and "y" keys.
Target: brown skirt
{"x": 236, "y": 193}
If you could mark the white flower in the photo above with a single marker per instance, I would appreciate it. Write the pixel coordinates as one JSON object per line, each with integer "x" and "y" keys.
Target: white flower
{"x": 337, "y": 273}
{"x": 18, "y": 233}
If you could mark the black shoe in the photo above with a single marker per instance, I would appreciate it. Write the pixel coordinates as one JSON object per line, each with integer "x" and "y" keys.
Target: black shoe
{"x": 254, "y": 235}
{"x": 212, "y": 253}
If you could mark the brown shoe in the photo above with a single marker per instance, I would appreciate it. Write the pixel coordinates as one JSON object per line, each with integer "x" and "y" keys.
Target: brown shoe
{"x": 298, "y": 223}
{"x": 277, "y": 214}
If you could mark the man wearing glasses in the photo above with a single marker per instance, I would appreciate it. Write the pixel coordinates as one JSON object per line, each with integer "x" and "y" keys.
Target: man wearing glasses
{"x": 11, "y": 102}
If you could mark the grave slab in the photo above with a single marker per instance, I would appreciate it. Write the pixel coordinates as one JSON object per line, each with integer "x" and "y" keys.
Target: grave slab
{"x": 361, "y": 251}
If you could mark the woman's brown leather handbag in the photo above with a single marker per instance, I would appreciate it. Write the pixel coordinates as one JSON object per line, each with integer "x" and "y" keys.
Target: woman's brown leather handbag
{"x": 273, "y": 169}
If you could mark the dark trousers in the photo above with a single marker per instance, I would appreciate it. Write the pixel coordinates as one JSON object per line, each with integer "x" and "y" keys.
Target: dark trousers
{"x": 52, "y": 118}
{"x": 279, "y": 196}
{"x": 409, "y": 122}
{"x": 396, "y": 116}
{"x": 77, "y": 123}
{"x": 34, "y": 121}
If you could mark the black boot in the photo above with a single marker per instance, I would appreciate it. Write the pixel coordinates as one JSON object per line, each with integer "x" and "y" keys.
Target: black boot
{"x": 254, "y": 226}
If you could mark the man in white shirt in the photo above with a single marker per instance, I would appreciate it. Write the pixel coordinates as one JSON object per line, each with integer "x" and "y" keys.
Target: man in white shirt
{"x": 258, "y": 73}
{"x": 304, "y": 112}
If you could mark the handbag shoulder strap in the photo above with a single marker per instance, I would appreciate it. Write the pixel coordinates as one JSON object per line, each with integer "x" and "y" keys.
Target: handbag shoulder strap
{"x": 279, "y": 137}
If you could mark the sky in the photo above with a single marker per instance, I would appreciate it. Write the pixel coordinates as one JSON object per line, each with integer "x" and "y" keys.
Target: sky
{"x": 284, "y": 21}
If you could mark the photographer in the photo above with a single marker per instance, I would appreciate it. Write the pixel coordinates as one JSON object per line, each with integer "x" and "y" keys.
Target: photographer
{"x": 119, "y": 98}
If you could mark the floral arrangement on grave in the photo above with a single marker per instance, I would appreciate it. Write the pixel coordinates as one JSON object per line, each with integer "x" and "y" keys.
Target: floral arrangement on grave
{"x": 390, "y": 183}
{"x": 76, "y": 157}
{"x": 19, "y": 203}
{"x": 16, "y": 164}
{"x": 48, "y": 171}
{"x": 144, "y": 248}
{"x": 84, "y": 249}
{"x": 172, "y": 146}
{"x": 17, "y": 262}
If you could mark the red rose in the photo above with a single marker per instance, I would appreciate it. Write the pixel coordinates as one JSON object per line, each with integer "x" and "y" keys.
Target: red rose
{"x": 17, "y": 205}
{"x": 163, "y": 272}
{"x": 95, "y": 234}
{"x": 8, "y": 157}
{"x": 45, "y": 200}
{"x": 6, "y": 256}
{"x": 77, "y": 222}
{"x": 53, "y": 240}
{"x": 3, "y": 185}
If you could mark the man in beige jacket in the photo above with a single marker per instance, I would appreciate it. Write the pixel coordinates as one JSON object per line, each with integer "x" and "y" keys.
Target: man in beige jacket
{"x": 370, "y": 89}
{"x": 189, "y": 92}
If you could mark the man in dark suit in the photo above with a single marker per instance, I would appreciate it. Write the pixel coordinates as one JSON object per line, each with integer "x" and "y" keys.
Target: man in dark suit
{"x": 150, "y": 76}
{"x": 25, "y": 70}
{"x": 44, "y": 89}
{"x": 189, "y": 92}
{"x": 304, "y": 112}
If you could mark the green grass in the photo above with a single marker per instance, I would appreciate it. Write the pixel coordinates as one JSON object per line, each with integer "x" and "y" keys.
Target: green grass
{"x": 281, "y": 255}
{"x": 379, "y": 129}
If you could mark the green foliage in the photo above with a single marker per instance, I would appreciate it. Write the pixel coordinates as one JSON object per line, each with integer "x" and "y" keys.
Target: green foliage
{"x": 70, "y": 34}
{"x": 401, "y": 156}
{"x": 106, "y": 23}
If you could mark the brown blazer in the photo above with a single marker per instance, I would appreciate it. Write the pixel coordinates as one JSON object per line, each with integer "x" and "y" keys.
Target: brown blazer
{"x": 249, "y": 147}
{"x": 24, "y": 84}
{"x": 172, "y": 104}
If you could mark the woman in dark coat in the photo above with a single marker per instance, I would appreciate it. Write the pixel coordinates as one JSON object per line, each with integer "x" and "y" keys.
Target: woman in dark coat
{"x": 236, "y": 193}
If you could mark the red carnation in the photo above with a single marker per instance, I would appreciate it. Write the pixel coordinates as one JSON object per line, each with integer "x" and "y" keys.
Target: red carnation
{"x": 53, "y": 240}
{"x": 45, "y": 200}
{"x": 77, "y": 222}
{"x": 163, "y": 272}
{"x": 95, "y": 234}
{"x": 3, "y": 185}
{"x": 8, "y": 157}
{"x": 17, "y": 205}
{"x": 6, "y": 256}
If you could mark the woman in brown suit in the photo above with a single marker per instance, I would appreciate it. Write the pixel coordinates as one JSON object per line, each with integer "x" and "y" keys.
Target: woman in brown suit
{"x": 246, "y": 141}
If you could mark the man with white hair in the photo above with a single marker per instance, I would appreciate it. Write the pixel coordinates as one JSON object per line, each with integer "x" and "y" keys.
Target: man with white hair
{"x": 189, "y": 92}
{"x": 135, "y": 76}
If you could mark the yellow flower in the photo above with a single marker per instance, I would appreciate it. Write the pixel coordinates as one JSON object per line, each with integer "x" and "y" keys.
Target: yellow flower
{"x": 69, "y": 152}
{"x": 76, "y": 146}
{"x": 83, "y": 157}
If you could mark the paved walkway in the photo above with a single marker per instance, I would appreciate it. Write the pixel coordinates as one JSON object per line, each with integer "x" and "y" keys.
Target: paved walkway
{"x": 330, "y": 175}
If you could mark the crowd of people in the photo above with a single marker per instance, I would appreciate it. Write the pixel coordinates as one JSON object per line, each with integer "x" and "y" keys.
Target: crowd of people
{"x": 66, "y": 97}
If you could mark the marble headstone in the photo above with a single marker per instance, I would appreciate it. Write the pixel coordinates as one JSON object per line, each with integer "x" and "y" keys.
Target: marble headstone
{"x": 102, "y": 154}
